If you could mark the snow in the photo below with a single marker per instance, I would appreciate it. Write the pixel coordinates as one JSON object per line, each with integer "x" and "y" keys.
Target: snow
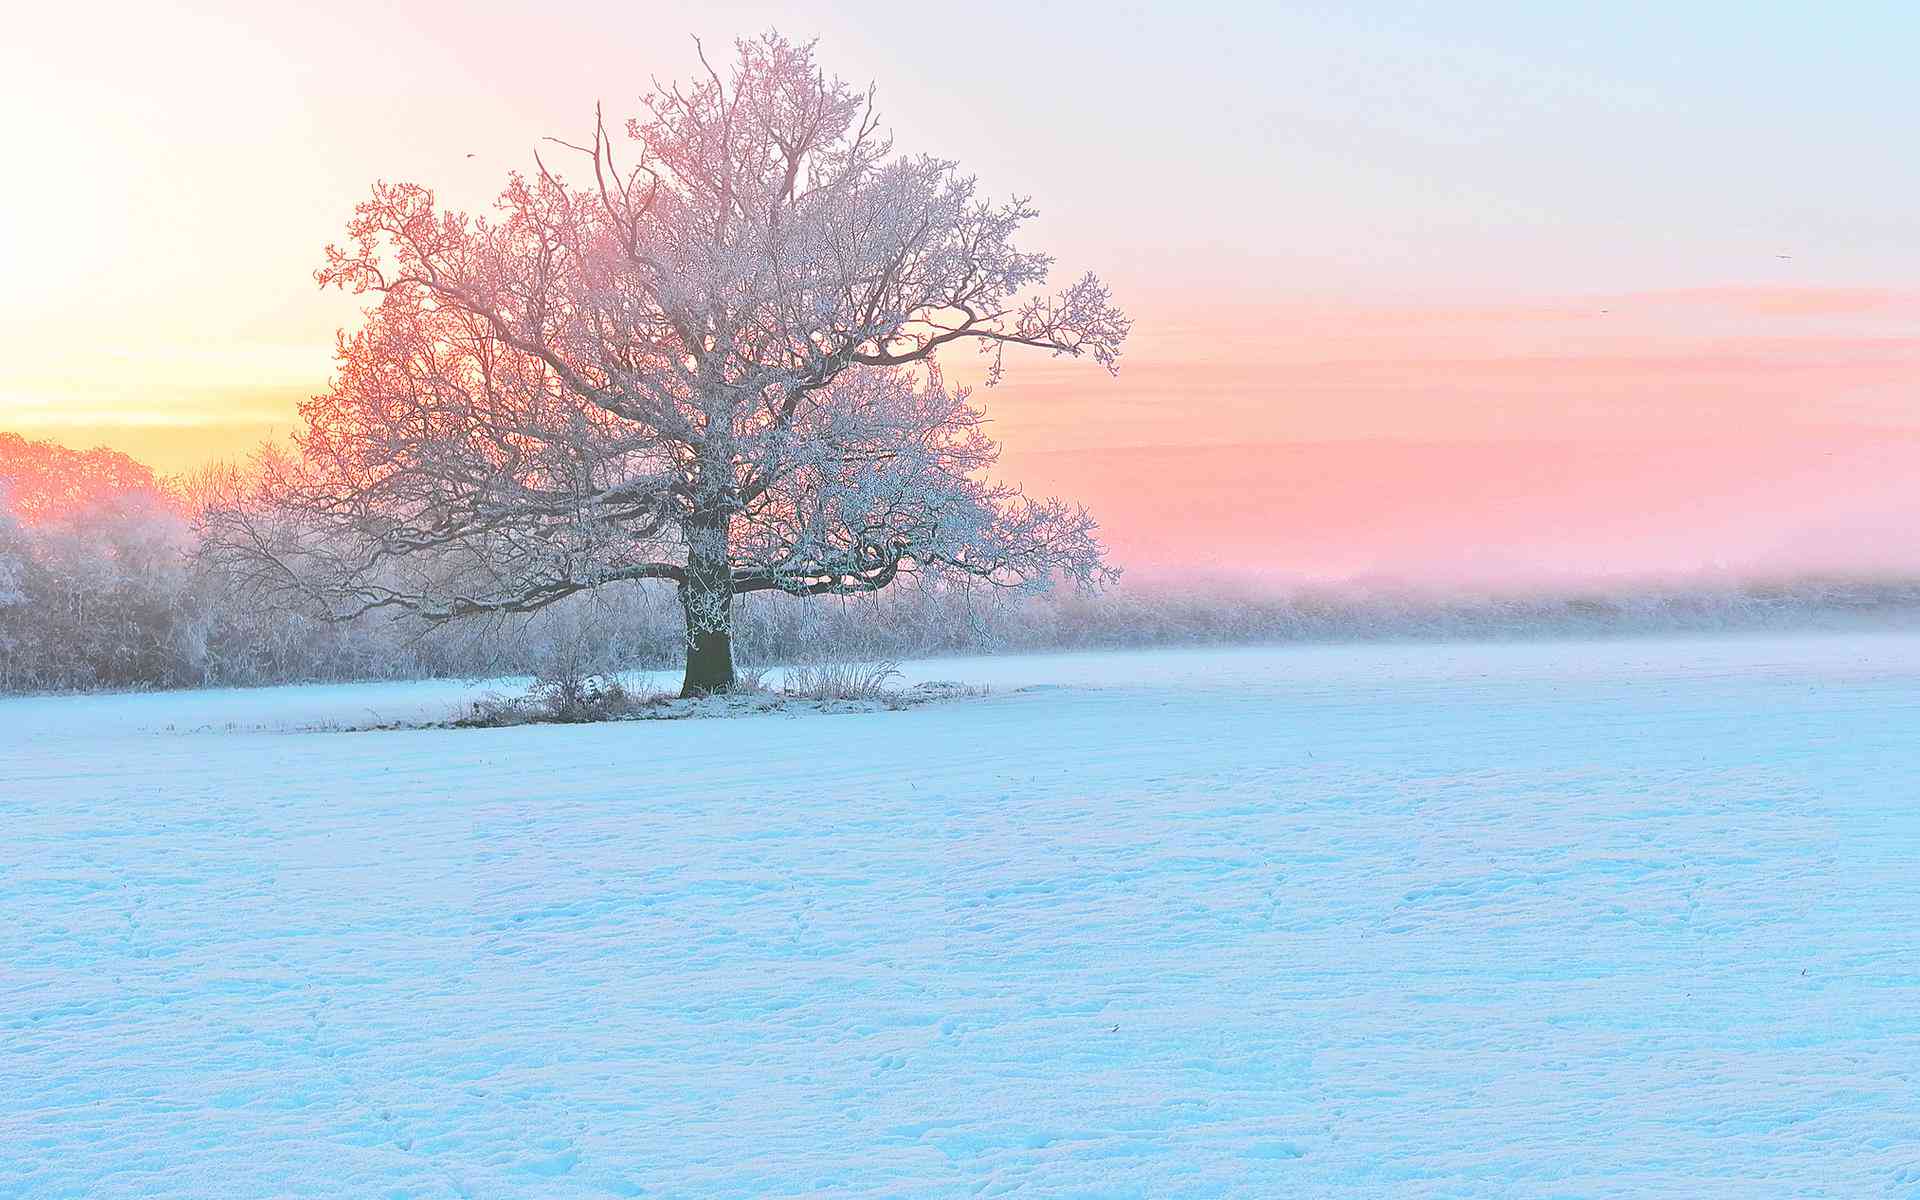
{"x": 1631, "y": 918}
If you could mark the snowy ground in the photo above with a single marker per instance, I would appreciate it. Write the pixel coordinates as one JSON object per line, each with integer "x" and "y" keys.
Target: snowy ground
{"x": 1635, "y": 918}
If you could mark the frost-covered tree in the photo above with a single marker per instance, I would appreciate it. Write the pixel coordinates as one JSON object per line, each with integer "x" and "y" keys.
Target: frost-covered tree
{"x": 713, "y": 361}
{"x": 14, "y": 554}
{"x": 46, "y": 482}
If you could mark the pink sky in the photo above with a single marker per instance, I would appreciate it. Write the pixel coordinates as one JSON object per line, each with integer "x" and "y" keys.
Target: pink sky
{"x": 1495, "y": 295}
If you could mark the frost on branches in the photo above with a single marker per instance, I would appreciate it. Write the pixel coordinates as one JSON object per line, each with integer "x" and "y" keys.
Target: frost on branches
{"x": 712, "y": 359}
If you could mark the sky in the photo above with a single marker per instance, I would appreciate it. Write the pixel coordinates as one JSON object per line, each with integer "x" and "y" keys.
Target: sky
{"x": 1470, "y": 289}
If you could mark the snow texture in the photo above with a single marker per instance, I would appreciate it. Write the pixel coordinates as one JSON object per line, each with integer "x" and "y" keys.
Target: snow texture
{"x": 1632, "y": 918}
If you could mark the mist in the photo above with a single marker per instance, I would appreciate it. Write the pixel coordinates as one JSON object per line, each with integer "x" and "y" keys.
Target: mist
{"x": 1528, "y": 517}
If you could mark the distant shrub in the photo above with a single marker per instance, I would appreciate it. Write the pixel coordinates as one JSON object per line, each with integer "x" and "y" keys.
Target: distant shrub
{"x": 561, "y": 701}
{"x": 842, "y": 679}
{"x": 752, "y": 679}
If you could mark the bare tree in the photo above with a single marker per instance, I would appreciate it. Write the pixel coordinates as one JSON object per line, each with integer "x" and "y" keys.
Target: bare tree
{"x": 715, "y": 364}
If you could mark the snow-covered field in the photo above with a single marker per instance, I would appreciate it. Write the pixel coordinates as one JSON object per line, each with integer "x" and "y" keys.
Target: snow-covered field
{"x": 1635, "y": 918}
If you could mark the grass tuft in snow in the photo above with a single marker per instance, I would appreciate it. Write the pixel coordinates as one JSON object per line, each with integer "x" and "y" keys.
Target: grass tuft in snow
{"x": 562, "y": 699}
{"x": 828, "y": 686}
{"x": 842, "y": 679}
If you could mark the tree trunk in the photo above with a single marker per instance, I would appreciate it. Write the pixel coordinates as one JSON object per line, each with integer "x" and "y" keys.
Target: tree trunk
{"x": 706, "y": 597}
{"x": 709, "y": 663}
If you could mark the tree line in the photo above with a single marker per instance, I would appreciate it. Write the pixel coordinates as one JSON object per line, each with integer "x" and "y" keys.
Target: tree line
{"x": 101, "y": 587}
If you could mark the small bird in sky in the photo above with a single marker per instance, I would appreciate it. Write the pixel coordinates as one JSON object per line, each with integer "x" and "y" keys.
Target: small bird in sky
{"x": 1783, "y": 256}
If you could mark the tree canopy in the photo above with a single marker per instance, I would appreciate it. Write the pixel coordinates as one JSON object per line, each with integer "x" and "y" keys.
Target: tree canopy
{"x": 711, "y": 356}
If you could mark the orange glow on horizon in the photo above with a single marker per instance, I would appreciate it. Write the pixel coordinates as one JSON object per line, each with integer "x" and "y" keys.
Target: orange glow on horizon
{"x": 1744, "y": 426}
